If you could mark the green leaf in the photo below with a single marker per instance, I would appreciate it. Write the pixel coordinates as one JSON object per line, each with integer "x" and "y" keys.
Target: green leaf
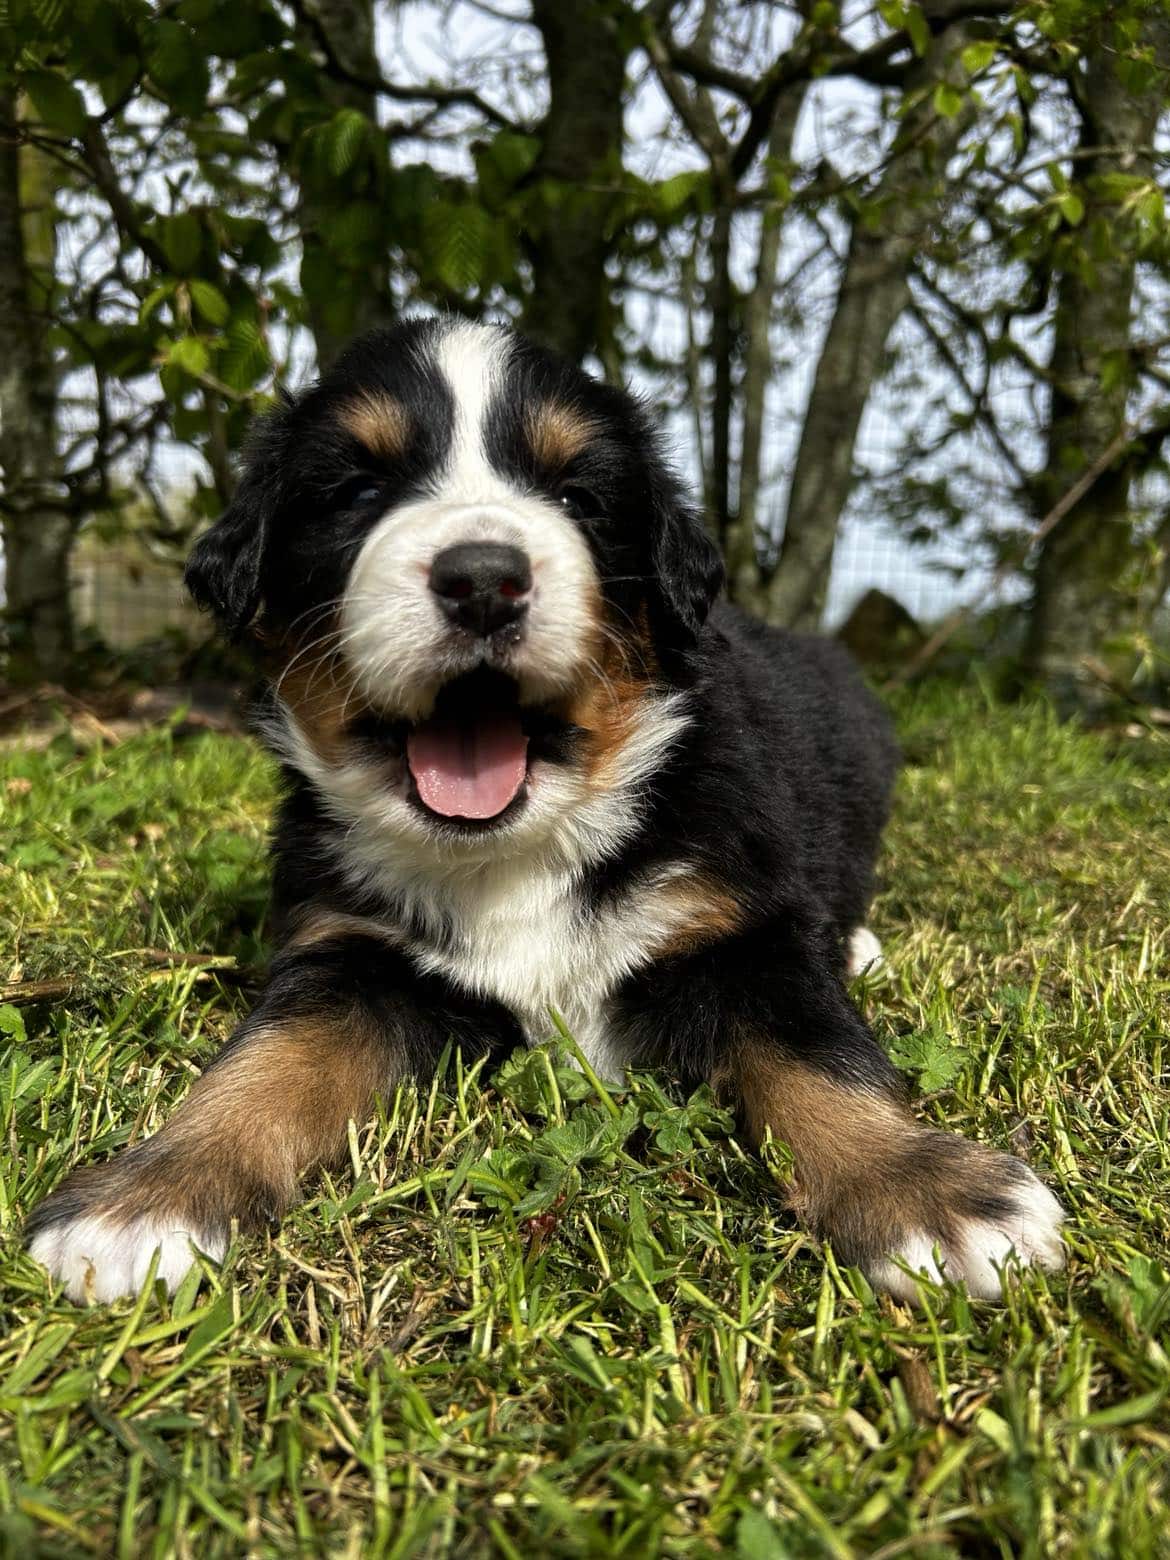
{"x": 26, "y": 1078}
{"x": 190, "y": 355}
{"x": 678, "y": 192}
{"x": 1072, "y": 209}
{"x": 932, "y": 1057}
{"x": 948, "y": 100}
{"x": 978, "y": 56}
{"x": 1150, "y": 209}
{"x": 509, "y": 156}
{"x": 57, "y": 101}
{"x": 919, "y": 29}
{"x": 210, "y": 302}
{"x": 756, "y": 1538}
{"x": 178, "y": 66}
{"x": 244, "y": 358}
{"x": 34, "y": 853}
{"x": 156, "y": 297}
{"x": 344, "y": 137}
{"x": 182, "y": 240}
{"x": 554, "y": 1184}
{"x": 12, "y": 1023}
{"x": 457, "y": 237}
{"x": 358, "y": 225}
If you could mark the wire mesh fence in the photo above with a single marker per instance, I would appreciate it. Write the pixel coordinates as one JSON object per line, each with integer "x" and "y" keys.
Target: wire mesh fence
{"x": 929, "y": 581}
{"x": 126, "y": 598}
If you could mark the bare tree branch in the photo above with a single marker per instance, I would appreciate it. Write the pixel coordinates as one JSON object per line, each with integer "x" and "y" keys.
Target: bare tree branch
{"x": 380, "y": 86}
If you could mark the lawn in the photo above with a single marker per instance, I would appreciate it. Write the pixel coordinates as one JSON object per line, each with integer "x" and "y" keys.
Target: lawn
{"x": 529, "y": 1319}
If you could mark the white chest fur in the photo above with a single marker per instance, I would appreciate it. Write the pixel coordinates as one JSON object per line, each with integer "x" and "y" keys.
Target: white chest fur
{"x": 510, "y": 922}
{"x": 533, "y": 944}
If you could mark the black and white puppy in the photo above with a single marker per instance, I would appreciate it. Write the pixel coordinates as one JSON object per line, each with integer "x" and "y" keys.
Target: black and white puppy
{"x": 530, "y": 766}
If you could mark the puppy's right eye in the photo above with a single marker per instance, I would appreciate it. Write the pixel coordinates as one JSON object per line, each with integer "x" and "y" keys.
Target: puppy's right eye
{"x": 359, "y": 493}
{"x": 579, "y": 503}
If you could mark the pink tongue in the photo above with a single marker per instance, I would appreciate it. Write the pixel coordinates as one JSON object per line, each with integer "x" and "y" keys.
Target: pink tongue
{"x": 470, "y": 770}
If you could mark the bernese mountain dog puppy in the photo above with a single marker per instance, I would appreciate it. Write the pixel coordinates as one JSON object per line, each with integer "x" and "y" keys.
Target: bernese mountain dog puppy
{"x": 531, "y": 766}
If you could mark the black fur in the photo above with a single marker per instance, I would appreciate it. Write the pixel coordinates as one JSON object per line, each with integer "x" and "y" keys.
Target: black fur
{"x": 781, "y": 787}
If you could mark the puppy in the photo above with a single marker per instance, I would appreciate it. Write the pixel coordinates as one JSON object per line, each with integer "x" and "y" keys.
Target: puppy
{"x": 530, "y": 765}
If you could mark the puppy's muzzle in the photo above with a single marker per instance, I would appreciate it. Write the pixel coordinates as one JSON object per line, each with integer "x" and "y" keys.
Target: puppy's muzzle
{"x": 483, "y": 588}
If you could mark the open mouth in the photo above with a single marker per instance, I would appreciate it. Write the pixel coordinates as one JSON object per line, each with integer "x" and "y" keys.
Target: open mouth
{"x": 470, "y": 761}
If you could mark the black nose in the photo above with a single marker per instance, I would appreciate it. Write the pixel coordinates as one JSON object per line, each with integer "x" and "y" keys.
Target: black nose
{"x": 482, "y": 586}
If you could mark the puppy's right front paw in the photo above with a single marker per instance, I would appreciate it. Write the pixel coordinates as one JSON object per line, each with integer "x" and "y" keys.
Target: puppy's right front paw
{"x": 102, "y": 1257}
{"x": 98, "y": 1231}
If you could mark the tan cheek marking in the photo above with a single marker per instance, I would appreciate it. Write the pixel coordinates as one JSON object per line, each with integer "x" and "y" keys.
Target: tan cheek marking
{"x": 320, "y": 691}
{"x": 379, "y": 422}
{"x": 557, "y": 433}
{"x": 609, "y": 713}
{"x": 608, "y": 705}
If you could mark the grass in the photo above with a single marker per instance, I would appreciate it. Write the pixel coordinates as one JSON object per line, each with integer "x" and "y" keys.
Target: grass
{"x": 529, "y": 1319}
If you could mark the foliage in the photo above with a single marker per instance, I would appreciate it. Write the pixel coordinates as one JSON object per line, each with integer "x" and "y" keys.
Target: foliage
{"x": 192, "y": 140}
{"x": 530, "y": 1315}
{"x": 243, "y": 183}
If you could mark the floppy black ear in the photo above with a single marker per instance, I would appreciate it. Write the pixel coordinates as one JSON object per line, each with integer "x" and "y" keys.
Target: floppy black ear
{"x": 223, "y": 572}
{"x": 687, "y": 570}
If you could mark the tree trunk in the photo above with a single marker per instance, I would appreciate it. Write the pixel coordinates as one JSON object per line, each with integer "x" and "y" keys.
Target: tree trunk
{"x": 873, "y": 293}
{"x": 741, "y": 549}
{"x": 581, "y": 152}
{"x": 38, "y": 524}
{"x": 1087, "y": 588}
{"x": 362, "y": 299}
{"x": 722, "y": 297}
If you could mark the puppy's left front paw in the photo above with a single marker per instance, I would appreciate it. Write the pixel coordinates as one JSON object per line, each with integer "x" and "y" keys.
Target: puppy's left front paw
{"x": 999, "y": 1211}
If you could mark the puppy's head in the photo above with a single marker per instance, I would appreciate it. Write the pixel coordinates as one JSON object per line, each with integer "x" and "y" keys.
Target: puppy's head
{"x": 469, "y": 570}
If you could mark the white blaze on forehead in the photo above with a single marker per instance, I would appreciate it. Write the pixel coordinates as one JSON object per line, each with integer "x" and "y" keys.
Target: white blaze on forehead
{"x": 472, "y": 359}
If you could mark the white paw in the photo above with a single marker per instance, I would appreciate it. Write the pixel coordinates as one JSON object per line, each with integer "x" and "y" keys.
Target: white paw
{"x": 96, "y": 1257}
{"x": 1030, "y": 1234}
{"x": 862, "y": 952}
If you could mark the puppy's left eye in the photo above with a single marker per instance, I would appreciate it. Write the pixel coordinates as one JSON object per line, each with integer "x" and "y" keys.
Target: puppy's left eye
{"x": 359, "y": 492}
{"x": 579, "y": 503}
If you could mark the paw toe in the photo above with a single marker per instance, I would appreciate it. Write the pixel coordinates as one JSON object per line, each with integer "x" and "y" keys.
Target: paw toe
{"x": 862, "y": 952}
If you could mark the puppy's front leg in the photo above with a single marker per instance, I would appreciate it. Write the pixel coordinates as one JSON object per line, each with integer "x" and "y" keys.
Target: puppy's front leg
{"x": 768, "y": 1021}
{"x": 341, "y": 1020}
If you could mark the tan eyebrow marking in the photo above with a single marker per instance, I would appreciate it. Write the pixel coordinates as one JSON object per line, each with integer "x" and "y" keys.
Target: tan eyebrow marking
{"x": 379, "y": 421}
{"x": 556, "y": 432}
